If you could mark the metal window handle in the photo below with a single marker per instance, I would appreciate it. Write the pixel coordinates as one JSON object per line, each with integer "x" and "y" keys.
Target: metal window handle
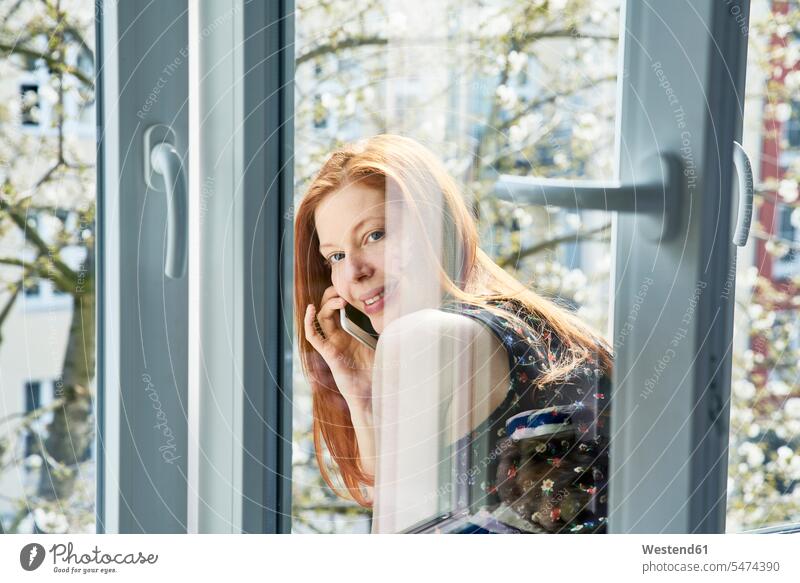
{"x": 162, "y": 159}
{"x": 744, "y": 173}
{"x": 656, "y": 199}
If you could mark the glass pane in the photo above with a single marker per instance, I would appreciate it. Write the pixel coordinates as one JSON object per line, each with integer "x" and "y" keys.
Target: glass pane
{"x": 486, "y": 88}
{"x": 764, "y": 460}
{"x": 47, "y": 303}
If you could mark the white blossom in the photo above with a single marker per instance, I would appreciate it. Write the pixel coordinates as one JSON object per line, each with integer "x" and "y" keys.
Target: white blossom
{"x": 349, "y": 104}
{"x": 792, "y": 407}
{"x": 776, "y": 248}
{"x": 744, "y": 389}
{"x": 33, "y": 461}
{"x": 523, "y": 217}
{"x": 755, "y": 310}
{"x": 517, "y": 61}
{"x": 788, "y": 190}
{"x": 327, "y": 100}
{"x": 794, "y": 218}
{"x": 783, "y": 111}
{"x": 507, "y": 96}
{"x": 47, "y": 93}
{"x": 573, "y": 220}
{"x": 783, "y": 29}
{"x": 791, "y": 56}
{"x": 52, "y": 522}
{"x": 516, "y": 135}
{"x": 574, "y": 279}
{"x": 752, "y": 453}
{"x": 792, "y": 81}
{"x": 778, "y": 388}
{"x": 497, "y": 26}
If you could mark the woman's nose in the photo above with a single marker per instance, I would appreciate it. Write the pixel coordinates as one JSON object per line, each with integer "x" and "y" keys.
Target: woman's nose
{"x": 357, "y": 266}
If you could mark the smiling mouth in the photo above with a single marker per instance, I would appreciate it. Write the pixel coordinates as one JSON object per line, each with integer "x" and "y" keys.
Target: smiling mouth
{"x": 371, "y": 301}
{"x": 379, "y": 296}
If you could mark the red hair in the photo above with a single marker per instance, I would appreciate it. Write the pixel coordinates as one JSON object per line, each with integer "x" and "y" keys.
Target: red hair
{"x": 418, "y": 178}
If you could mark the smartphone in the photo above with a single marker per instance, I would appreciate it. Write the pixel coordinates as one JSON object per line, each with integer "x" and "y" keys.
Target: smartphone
{"x": 357, "y": 324}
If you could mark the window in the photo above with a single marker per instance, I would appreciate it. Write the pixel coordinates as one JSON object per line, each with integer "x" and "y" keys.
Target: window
{"x": 320, "y": 116}
{"x": 33, "y": 399}
{"x": 47, "y": 236}
{"x": 579, "y": 137}
{"x": 792, "y": 127}
{"x": 32, "y": 290}
{"x": 784, "y": 246}
{"x": 29, "y": 95}
{"x": 458, "y": 80}
{"x": 763, "y": 465}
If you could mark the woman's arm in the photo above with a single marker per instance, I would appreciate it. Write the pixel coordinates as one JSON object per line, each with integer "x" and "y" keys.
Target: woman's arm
{"x": 438, "y": 375}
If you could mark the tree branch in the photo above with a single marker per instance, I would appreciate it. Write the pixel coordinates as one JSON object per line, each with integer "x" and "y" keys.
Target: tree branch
{"x": 355, "y": 42}
{"x": 572, "y": 33}
{"x": 515, "y": 258}
{"x": 14, "y": 261}
{"x": 9, "y": 304}
{"x": 7, "y": 50}
{"x": 33, "y": 237}
{"x": 348, "y": 43}
{"x": 27, "y": 418}
{"x": 536, "y": 103}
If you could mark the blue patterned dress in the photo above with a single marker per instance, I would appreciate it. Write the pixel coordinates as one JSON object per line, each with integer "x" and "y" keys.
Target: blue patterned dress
{"x": 539, "y": 462}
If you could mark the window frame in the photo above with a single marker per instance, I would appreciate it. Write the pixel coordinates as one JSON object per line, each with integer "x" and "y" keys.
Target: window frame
{"x": 700, "y": 424}
{"x": 136, "y": 491}
{"x": 145, "y": 319}
{"x": 692, "y": 424}
{"x": 243, "y": 148}
{"x": 688, "y": 414}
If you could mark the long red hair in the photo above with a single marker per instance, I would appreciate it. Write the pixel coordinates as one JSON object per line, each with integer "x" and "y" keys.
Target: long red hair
{"x": 404, "y": 168}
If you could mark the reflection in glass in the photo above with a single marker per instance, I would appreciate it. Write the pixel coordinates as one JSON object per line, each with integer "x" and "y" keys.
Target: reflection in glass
{"x": 485, "y": 407}
{"x": 490, "y": 88}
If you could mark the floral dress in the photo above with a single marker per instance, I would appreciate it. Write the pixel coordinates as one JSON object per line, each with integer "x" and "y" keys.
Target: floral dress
{"x": 539, "y": 462}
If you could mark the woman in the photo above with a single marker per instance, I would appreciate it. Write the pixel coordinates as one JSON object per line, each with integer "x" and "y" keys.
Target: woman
{"x": 380, "y": 222}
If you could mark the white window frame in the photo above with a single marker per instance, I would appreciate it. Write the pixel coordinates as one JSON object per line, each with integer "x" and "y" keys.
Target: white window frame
{"x": 220, "y": 356}
{"x": 680, "y": 101}
{"x": 217, "y": 357}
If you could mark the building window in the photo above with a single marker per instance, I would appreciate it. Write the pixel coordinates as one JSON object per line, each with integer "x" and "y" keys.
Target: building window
{"x": 792, "y": 127}
{"x": 33, "y": 400}
{"x": 786, "y": 265}
{"x": 320, "y": 113}
{"x": 32, "y": 290}
{"x": 29, "y": 95}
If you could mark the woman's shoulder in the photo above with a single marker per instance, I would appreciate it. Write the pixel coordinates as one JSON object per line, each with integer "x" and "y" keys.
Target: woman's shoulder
{"x": 526, "y": 342}
{"x": 511, "y": 320}
{"x": 412, "y": 334}
{"x": 457, "y": 324}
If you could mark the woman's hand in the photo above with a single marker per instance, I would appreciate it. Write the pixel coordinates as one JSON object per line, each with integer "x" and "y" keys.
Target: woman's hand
{"x": 350, "y": 361}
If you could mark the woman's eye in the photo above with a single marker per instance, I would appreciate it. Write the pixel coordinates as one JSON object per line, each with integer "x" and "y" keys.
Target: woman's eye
{"x": 332, "y": 258}
{"x": 380, "y": 234}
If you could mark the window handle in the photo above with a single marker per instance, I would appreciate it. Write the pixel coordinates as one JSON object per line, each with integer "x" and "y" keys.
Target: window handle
{"x": 655, "y": 198}
{"x": 162, "y": 159}
{"x": 744, "y": 173}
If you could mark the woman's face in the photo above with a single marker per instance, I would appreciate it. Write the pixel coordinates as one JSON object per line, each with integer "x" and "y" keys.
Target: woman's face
{"x": 351, "y": 225}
